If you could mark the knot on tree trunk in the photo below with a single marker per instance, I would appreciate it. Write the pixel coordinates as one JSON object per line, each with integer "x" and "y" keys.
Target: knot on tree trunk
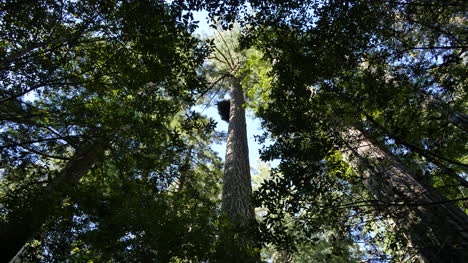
{"x": 223, "y": 109}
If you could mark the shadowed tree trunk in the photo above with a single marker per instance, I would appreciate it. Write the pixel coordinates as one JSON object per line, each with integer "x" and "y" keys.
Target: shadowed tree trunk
{"x": 185, "y": 171}
{"x": 436, "y": 228}
{"x": 28, "y": 220}
{"x": 237, "y": 205}
{"x": 456, "y": 118}
{"x": 431, "y": 157}
{"x": 460, "y": 120}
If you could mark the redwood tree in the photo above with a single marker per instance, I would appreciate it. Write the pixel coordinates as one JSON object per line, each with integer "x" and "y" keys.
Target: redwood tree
{"x": 238, "y": 233}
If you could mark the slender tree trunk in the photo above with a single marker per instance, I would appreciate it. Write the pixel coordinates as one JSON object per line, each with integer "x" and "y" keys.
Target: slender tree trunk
{"x": 27, "y": 222}
{"x": 185, "y": 170}
{"x": 456, "y": 118}
{"x": 284, "y": 257}
{"x": 437, "y": 229}
{"x": 237, "y": 189}
{"x": 19, "y": 255}
{"x": 460, "y": 120}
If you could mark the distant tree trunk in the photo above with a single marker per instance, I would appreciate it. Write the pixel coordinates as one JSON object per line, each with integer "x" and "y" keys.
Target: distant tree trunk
{"x": 456, "y": 118}
{"x": 459, "y": 119}
{"x": 28, "y": 220}
{"x": 184, "y": 171}
{"x": 237, "y": 189}
{"x": 284, "y": 257}
{"x": 436, "y": 228}
{"x": 19, "y": 255}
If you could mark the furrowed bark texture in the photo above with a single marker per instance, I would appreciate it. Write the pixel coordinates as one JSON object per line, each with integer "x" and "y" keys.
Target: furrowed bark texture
{"x": 28, "y": 222}
{"x": 437, "y": 229}
{"x": 237, "y": 189}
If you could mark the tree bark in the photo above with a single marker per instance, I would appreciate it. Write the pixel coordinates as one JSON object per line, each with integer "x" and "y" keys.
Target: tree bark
{"x": 27, "y": 222}
{"x": 237, "y": 189}
{"x": 436, "y": 228}
{"x": 431, "y": 157}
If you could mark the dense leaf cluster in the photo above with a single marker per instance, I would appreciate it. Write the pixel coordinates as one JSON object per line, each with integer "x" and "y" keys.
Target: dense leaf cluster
{"x": 99, "y": 151}
{"x": 393, "y": 69}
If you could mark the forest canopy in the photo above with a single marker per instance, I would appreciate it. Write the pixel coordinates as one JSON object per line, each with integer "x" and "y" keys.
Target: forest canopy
{"x": 105, "y": 155}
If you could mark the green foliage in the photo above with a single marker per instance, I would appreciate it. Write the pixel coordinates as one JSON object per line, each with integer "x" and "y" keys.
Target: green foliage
{"x": 293, "y": 239}
{"x": 256, "y": 76}
{"x": 118, "y": 78}
{"x": 116, "y": 217}
{"x": 394, "y": 69}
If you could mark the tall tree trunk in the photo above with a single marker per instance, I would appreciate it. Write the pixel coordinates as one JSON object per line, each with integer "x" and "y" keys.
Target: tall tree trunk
{"x": 437, "y": 229}
{"x": 27, "y": 222}
{"x": 431, "y": 157}
{"x": 237, "y": 189}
